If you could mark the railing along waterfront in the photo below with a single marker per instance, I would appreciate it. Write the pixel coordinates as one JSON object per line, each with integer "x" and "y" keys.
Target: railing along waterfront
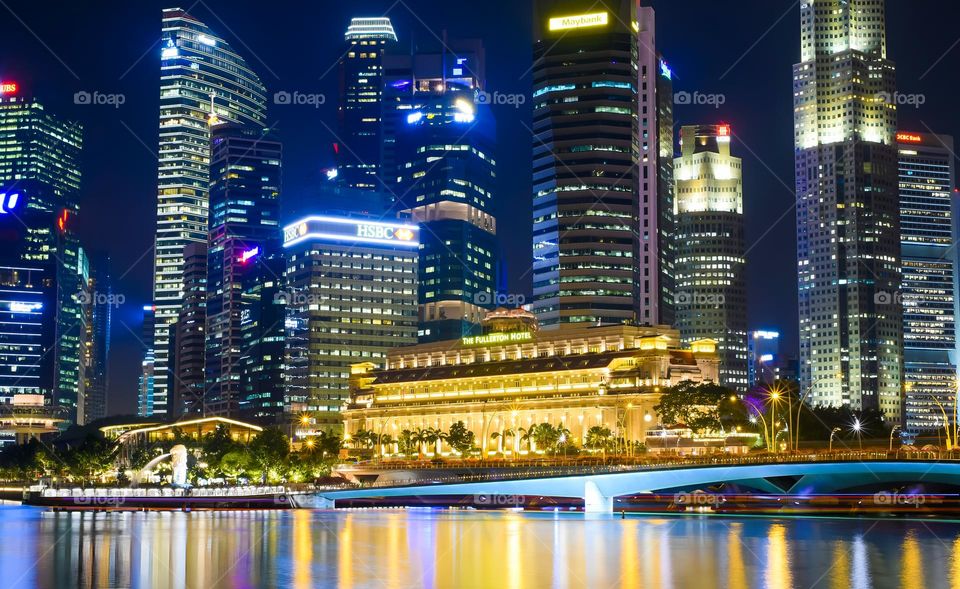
{"x": 524, "y": 469}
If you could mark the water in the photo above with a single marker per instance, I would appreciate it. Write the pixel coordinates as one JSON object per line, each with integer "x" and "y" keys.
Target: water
{"x": 503, "y": 550}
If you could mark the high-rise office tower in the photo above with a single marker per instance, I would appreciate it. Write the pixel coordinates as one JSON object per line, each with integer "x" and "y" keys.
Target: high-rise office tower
{"x": 244, "y": 216}
{"x": 202, "y": 81}
{"x": 361, "y": 92}
{"x": 763, "y": 347}
{"x": 441, "y": 153}
{"x": 848, "y": 225}
{"x": 146, "y": 380}
{"x": 98, "y": 308}
{"x": 187, "y": 340}
{"x": 928, "y": 239}
{"x": 351, "y": 295}
{"x": 39, "y": 250}
{"x": 602, "y": 164}
{"x": 262, "y": 326}
{"x": 711, "y": 284}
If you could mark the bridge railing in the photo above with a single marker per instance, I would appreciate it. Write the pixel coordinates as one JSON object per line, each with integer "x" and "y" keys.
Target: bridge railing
{"x": 549, "y": 468}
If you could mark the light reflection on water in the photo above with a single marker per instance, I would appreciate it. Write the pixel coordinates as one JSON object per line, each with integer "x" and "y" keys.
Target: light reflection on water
{"x": 424, "y": 548}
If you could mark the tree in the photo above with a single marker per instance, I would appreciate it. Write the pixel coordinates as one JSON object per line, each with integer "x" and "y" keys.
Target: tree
{"x": 460, "y": 438}
{"x": 267, "y": 453}
{"x": 504, "y": 435}
{"x": 701, "y": 407}
{"x": 408, "y": 442}
{"x": 433, "y": 436}
{"x": 329, "y": 443}
{"x": 598, "y": 438}
{"x": 233, "y": 465}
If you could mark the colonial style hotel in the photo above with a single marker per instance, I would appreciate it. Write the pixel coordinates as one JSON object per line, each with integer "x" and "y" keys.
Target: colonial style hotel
{"x": 515, "y": 376}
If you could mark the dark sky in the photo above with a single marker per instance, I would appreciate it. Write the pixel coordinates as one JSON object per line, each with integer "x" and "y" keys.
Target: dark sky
{"x": 742, "y": 50}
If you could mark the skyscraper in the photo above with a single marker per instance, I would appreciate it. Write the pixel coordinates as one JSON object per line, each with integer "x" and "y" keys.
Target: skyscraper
{"x": 351, "y": 295}
{"x": 602, "y": 162}
{"x": 263, "y": 331}
{"x": 202, "y": 81}
{"x": 928, "y": 240}
{"x": 361, "y": 92}
{"x": 711, "y": 285}
{"x": 445, "y": 178}
{"x": 187, "y": 338}
{"x": 98, "y": 307}
{"x": 244, "y": 216}
{"x": 39, "y": 250}
{"x": 848, "y": 226}
{"x": 763, "y": 347}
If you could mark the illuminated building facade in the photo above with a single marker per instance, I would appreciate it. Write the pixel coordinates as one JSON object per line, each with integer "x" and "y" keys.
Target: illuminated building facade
{"x": 351, "y": 296}
{"x": 361, "y": 93}
{"x": 40, "y": 251}
{"x": 602, "y": 166}
{"x": 501, "y": 383}
{"x": 443, "y": 134}
{"x": 98, "y": 311}
{"x": 244, "y": 217}
{"x": 711, "y": 284}
{"x": 848, "y": 214}
{"x": 262, "y": 328}
{"x": 928, "y": 241}
{"x": 763, "y": 346}
{"x": 203, "y": 81}
{"x": 188, "y": 337}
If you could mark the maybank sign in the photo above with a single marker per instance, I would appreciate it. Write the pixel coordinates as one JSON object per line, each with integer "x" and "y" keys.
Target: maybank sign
{"x": 345, "y": 229}
{"x": 579, "y": 21}
{"x": 507, "y": 337}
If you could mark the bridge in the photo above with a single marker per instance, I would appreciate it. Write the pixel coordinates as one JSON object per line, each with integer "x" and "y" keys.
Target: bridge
{"x": 599, "y": 486}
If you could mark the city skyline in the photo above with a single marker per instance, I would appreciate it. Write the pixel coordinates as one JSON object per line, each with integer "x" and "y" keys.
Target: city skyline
{"x": 766, "y": 311}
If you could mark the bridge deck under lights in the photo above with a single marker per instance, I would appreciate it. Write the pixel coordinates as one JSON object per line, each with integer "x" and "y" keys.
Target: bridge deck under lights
{"x": 598, "y": 486}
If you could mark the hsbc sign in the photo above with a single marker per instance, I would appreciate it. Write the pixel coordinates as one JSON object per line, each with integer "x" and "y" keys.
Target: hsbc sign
{"x": 384, "y": 232}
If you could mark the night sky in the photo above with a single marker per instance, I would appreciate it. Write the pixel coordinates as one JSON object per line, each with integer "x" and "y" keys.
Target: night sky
{"x": 742, "y": 50}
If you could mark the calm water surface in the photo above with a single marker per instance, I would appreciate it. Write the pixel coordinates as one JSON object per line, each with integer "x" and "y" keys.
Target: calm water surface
{"x": 422, "y": 548}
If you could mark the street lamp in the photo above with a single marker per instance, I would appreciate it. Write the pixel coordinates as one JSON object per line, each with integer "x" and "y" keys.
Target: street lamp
{"x": 833, "y": 433}
{"x": 857, "y": 427}
{"x": 895, "y": 429}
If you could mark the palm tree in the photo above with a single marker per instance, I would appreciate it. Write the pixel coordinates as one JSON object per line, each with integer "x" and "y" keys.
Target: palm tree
{"x": 407, "y": 442}
{"x": 526, "y": 435}
{"x": 598, "y": 438}
{"x": 502, "y": 436}
{"x": 563, "y": 435}
{"x": 434, "y": 436}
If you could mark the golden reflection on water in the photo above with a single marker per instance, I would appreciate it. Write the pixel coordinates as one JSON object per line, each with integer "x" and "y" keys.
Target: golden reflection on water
{"x": 397, "y": 549}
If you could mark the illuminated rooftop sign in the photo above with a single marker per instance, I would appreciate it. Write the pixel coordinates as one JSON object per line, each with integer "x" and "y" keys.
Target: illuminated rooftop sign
{"x": 490, "y": 339}
{"x": 579, "y": 21}
{"x": 351, "y": 230}
{"x": 8, "y": 87}
{"x": 909, "y": 138}
{"x": 8, "y": 202}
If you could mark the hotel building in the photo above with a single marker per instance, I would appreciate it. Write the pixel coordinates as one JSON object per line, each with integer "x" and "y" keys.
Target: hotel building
{"x": 351, "y": 296}
{"x": 515, "y": 376}
{"x": 848, "y": 213}
{"x": 928, "y": 242}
